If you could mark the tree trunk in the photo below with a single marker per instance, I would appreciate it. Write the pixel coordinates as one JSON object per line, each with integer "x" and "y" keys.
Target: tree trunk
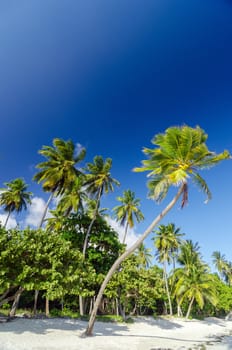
{"x": 16, "y": 301}
{"x": 92, "y": 222}
{"x": 179, "y": 311}
{"x": 40, "y": 225}
{"x": 125, "y": 234}
{"x": 91, "y": 305}
{"x": 122, "y": 257}
{"x": 189, "y": 308}
{"x": 7, "y": 218}
{"x": 5, "y": 300}
{"x": 47, "y": 311}
{"x": 81, "y": 301}
{"x": 35, "y": 302}
{"x": 167, "y": 290}
{"x": 116, "y": 307}
{"x": 81, "y": 305}
{"x": 46, "y": 209}
{"x": 3, "y": 296}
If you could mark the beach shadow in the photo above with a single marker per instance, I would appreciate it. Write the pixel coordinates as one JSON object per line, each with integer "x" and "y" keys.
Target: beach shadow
{"x": 214, "y": 320}
{"x": 20, "y": 325}
{"x": 160, "y": 322}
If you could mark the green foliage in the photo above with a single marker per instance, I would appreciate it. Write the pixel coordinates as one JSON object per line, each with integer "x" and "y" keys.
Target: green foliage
{"x": 98, "y": 178}
{"x": 224, "y": 293}
{"x": 41, "y": 261}
{"x": 59, "y": 170}
{"x": 103, "y": 245}
{"x": 128, "y": 210}
{"x": 140, "y": 288}
{"x": 178, "y": 155}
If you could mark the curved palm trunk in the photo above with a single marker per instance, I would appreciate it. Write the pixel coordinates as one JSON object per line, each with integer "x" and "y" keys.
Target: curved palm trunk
{"x": 88, "y": 233}
{"x": 7, "y": 218}
{"x": 46, "y": 209}
{"x": 81, "y": 304}
{"x": 189, "y": 308}
{"x": 122, "y": 257}
{"x": 167, "y": 289}
{"x": 125, "y": 234}
{"x": 92, "y": 222}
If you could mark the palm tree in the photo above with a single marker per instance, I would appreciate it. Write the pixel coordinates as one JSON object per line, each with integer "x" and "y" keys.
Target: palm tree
{"x": 220, "y": 263}
{"x": 144, "y": 255}
{"x": 189, "y": 254}
{"x": 126, "y": 212}
{"x": 223, "y": 266}
{"x": 178, "y": 156}
{"x": 14, "y": 197}
{"x": 189, "y": 257}
{"x": 98, "y": 181}
{"x": 228, "y": 273}
{"x": 56, "y": 222}
{"x": 195, "y": 284}
{"x": 73, "y": 198}
{"x": 167, "y": 242}
{"x": 59, "y": 171}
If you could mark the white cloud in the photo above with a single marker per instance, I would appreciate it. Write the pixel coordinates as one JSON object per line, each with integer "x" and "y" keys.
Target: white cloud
{"x": 35, "y": 212}
{"x": 78, "y": 148}
{"x": 131, "y": 237}
{"x": 12, "y": 223}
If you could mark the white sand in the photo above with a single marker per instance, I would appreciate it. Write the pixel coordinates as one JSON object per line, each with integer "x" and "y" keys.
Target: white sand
{"x": 144, "y": 334}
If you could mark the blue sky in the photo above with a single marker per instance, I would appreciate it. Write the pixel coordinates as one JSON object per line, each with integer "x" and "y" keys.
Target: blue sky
{"x": 110, "y": 75}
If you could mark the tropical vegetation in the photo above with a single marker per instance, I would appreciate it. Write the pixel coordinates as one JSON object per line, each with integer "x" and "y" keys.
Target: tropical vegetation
{"x": 75, "y": 258}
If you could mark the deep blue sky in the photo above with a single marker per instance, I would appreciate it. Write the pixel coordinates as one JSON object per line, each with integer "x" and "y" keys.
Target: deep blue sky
{"x": 110, "y": 75}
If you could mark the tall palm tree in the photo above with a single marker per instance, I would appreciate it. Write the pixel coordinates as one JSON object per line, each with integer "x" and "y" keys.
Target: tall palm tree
{"x": 14, "y": 197}
{"x": 57, "y": 174}
{"x": 220, "y": 263}
{"x": 195, "y": 284}
{"x": 98, "y": 181}
{"x": 178, "y": 156}
{"x": 127, "y": 211}
{"x": 167, "y": 241}
{"x": 223, "y": 266}
{"x": 59, "y": 171}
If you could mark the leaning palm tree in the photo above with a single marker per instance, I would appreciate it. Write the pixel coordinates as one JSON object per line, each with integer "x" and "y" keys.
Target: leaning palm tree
{"x": 178, "y": 156}
{"x": 14, "y": 197}
{"x": 59, "y": 171}
{"x": 127, "y": 211}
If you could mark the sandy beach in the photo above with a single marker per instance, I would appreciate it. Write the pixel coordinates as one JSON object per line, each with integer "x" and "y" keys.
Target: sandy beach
{"x": 145, "y": 333}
